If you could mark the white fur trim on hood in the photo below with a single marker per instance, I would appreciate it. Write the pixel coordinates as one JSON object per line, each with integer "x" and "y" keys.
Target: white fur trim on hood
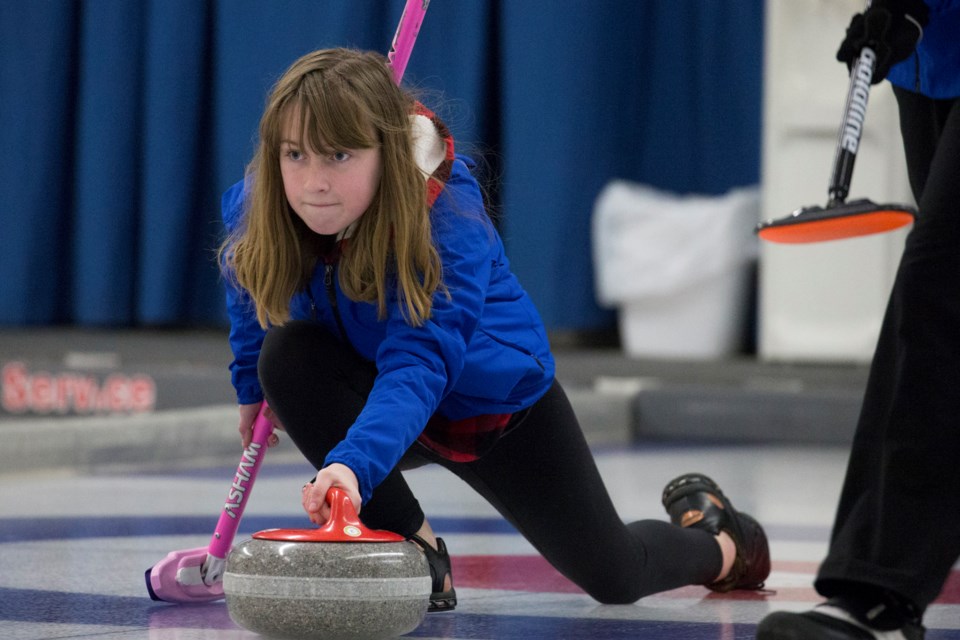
{"x": 428, "y": 148}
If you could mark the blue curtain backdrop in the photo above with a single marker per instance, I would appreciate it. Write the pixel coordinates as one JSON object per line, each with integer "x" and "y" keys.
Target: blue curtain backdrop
{"x": 122, "y": 122}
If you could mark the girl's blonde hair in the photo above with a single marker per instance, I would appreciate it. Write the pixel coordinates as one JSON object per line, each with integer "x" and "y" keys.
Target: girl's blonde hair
{"x": 345, "y": 99}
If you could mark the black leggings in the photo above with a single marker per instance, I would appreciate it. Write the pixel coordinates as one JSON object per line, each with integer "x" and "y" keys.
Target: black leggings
{"x": 540, "y": 476}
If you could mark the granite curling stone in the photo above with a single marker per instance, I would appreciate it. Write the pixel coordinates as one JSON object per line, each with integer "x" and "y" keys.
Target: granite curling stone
{"x": 342, "y": 581}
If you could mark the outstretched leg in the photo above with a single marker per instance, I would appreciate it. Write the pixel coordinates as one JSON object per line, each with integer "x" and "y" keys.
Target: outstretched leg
{"x": 542, "y": 478}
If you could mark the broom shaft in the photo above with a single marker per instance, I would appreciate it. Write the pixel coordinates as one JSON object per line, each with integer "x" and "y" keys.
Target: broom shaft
{"x": 406, "y": 36}
{"x": 851, "y": 128}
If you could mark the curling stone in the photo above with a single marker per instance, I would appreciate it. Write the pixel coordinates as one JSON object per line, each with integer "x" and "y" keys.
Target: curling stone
{"x": 342, "y": 581}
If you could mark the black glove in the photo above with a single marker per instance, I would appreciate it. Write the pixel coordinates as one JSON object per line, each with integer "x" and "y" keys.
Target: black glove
{"x": 892, "y": 28}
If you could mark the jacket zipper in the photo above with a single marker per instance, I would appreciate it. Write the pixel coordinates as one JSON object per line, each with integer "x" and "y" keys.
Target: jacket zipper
{"x": 328, "y": 270}
{"x": 313, "y": 304}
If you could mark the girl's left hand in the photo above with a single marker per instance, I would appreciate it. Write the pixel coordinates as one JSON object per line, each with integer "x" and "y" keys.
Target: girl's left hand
{"x": 248, "y": 414}
{"x": 314, "y": 494}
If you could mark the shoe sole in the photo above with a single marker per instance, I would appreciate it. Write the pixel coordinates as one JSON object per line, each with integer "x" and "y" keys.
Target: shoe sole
{"x": 758, "y": 539}
{"x": 447, "y": 601}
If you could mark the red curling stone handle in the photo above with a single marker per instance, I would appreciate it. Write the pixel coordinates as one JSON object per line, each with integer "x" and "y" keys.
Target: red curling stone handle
{"x": 343, "y": 526}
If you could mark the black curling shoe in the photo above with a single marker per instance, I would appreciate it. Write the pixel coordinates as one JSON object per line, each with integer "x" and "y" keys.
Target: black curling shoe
{"x": 439, "y": 561}
{"x": 694, "y": 500}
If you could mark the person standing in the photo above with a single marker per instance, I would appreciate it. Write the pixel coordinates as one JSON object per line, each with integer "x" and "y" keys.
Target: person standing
{"x": 896, "y": 534}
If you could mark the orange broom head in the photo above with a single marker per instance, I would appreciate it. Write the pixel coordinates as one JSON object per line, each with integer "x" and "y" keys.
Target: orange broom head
{"x": 851, "y": 220}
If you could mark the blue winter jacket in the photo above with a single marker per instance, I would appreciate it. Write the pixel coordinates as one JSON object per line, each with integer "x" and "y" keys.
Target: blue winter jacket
{"x": 934, "y": 70}
{"x": 483, "y": 351}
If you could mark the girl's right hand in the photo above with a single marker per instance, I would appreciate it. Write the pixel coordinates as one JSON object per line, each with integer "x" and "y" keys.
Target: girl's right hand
{"x": 313, "y": 494}
{"x": 248, "y": 414}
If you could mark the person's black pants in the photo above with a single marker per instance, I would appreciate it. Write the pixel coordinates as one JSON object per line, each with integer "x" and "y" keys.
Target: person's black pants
{"x": 897, "y": 526}
{"x": 540, "y": 476}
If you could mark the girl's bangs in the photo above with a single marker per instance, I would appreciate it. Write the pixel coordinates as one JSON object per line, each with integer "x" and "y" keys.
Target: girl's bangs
{"x": 333, "y": 119}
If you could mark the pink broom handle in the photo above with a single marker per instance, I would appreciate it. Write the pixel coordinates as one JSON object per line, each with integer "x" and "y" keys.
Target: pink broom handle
{"x": 239, "y": 493}
{"x": 406, "y": 35}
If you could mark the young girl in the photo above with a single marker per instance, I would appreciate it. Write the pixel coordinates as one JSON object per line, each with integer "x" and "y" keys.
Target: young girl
{"x": 371, "y": 293}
